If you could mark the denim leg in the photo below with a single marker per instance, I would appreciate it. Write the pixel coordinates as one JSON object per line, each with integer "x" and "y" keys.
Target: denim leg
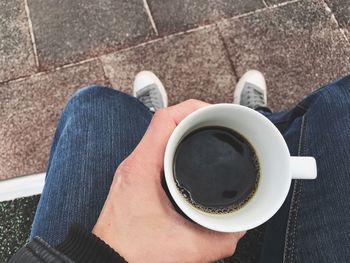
{"x": 313, "y": 224}
{"x": 90, "y": 142}
{"x": 98, "y": 128}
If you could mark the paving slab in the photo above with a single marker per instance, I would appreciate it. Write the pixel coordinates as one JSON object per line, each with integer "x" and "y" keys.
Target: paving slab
{"x": 174, "y": 16}
{"x": 191, "y": 65}
{"x": 29, "y": 111}
{"x": 67, "y": 31}
{"x": 298, "y": 47}
{"x": 16, "y": 51}
{"x": 341, "y": 10}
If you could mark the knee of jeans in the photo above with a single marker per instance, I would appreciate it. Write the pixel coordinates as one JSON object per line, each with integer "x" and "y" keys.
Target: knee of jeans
{"x": 95, "y": 94}
{"x": 335, "y": 97}
{"x": 91, "y": 91}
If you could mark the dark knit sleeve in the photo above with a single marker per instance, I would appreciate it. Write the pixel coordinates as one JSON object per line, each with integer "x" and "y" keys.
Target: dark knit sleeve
{"x": 79, "y": 246}
{"x": 83, "y": 246}
{"x": 38, "y": 251}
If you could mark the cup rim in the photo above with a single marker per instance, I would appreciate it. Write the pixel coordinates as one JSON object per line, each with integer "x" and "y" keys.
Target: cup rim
{"x": 173, "y": 141}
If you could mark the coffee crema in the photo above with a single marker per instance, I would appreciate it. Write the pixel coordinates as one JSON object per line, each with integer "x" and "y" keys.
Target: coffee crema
{"x": 216, "y": 169}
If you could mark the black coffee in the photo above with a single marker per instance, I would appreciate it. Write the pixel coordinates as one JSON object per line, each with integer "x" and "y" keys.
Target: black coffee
{"x": 216, "y": 169}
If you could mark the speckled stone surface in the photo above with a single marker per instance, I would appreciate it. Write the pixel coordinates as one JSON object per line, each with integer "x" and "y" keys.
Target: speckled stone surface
{"x": 298, "y": 47}
{"x": 16, "y": 52}
{"x": 173, "y": 16}
{"x": 15, "y": 222}
{"x": 191, "y": 65}
{"x": 341, "y": 10}
{"x": 29, "y": 111}
{"x": 68, "y": 31}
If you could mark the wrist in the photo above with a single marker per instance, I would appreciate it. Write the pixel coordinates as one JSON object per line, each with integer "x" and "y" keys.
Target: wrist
{"x": 83, "y": 246}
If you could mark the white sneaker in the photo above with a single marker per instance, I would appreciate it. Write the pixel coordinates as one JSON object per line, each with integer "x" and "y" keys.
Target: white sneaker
{"x": 251, "y": 90}
{"x": 150, "y": 90}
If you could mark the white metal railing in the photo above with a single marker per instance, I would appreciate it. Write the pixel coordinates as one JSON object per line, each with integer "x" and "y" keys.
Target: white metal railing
{"x": 21, "y": 186}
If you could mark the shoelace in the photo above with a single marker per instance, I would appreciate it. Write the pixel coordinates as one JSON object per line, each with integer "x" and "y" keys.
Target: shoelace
{"x": 150, "y": 97}
{"x": 252, "y": 97}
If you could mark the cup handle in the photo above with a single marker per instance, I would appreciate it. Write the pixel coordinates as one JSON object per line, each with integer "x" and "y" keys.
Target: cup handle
{"x": 303, "y": 167}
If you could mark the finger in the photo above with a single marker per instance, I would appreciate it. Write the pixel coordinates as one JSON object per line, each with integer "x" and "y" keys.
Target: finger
{"x": 151, "y": 148}
{"x": 180, "y": 111}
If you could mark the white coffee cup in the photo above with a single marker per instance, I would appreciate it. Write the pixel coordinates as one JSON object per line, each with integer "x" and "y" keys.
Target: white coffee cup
{"x": 277, "y": 167}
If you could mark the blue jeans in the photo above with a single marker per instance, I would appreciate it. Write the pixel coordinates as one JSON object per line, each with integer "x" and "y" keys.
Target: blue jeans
{"x": 99, "y": 127}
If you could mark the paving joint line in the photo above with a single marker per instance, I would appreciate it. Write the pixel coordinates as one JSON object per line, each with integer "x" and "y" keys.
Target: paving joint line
{"x": 149, "y": 13}
{"x": 221, "y": 37}
{"x": 155, "y": 40}
{"x": 3, "y": 82}
{"x": 52, "y": 70}
{"x": 284, "y": 3}
{"x": 104, "y": 71}
{"x": 32, "y": 37}
{"x": 328, "y": 9}
{"x": 258, "y": 11}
